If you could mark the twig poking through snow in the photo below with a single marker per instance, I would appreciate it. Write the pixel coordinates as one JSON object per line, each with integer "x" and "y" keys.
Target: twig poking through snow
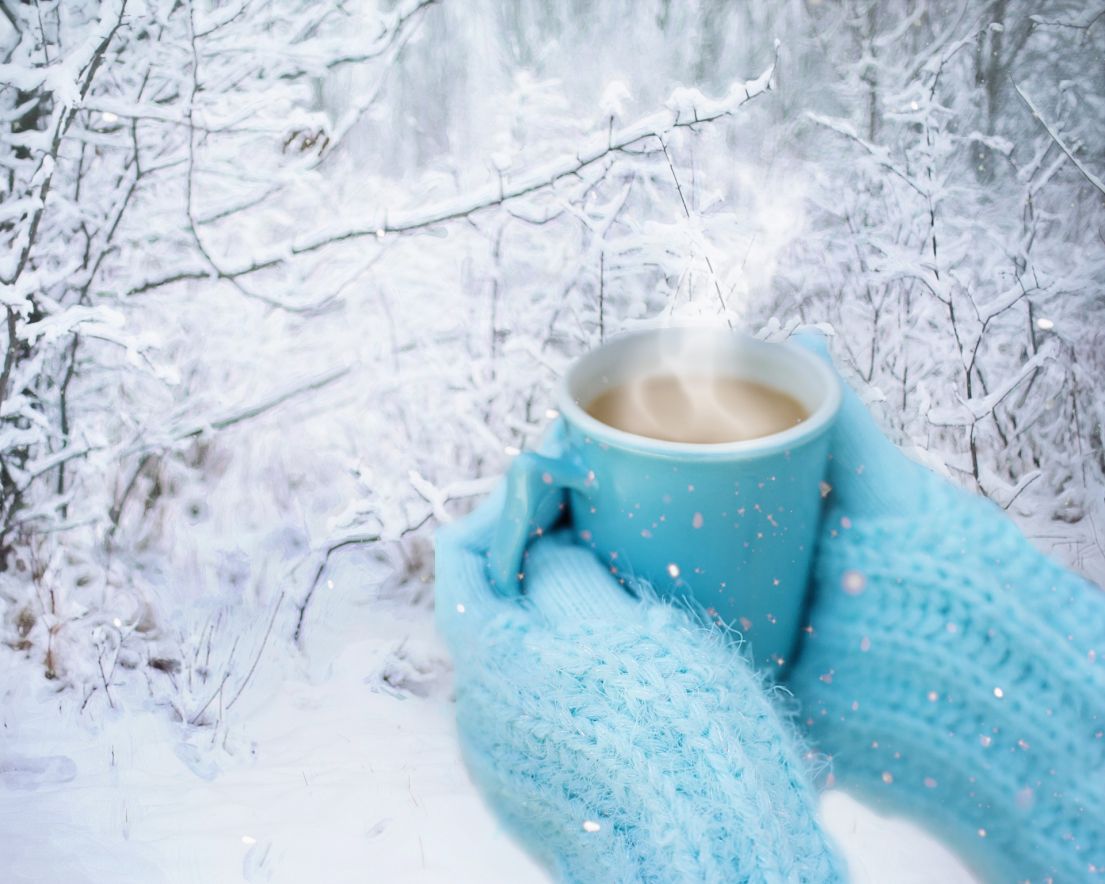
{"x": 260, "y": 651}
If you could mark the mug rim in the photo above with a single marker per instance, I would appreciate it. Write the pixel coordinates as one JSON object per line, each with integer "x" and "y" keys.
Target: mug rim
{"x": 814, "y": 425}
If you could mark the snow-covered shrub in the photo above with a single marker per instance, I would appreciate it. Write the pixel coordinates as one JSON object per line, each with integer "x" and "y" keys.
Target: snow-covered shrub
{"x": 286, "y": 284}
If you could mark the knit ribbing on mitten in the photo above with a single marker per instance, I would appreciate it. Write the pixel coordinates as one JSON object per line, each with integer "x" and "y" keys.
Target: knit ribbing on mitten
{"x": 952, "y": 671}
{"x": 643, "y": 749}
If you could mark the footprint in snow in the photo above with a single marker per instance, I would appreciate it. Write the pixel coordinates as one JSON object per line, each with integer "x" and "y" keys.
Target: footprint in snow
{"x": 29, "y": 774}
{"x": 196, "y": 761}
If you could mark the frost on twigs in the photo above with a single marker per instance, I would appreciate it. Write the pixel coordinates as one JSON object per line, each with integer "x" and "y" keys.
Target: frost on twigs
{"x": 137, "y": 141}
{"x": 284, "y": 286}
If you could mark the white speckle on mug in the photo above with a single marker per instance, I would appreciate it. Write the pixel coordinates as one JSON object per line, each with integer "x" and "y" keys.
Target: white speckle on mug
{"x": 853, "y": 582}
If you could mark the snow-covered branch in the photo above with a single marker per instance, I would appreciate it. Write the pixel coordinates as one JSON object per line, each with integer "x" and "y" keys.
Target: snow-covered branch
{"x": 686, "y": 109}
{"x": 970, "y": 411}
{"x": 286, "y": 284}
{"x": 1087, "y": 174}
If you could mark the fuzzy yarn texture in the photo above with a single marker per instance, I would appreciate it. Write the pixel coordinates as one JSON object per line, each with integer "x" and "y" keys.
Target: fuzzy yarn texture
{"x": 620, "y": 740}
{"x": 952, "y": 672}
{"x": 949, "y": 672}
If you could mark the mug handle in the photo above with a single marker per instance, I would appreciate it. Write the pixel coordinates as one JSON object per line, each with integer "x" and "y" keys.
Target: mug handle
{"x": 535, "y": 496}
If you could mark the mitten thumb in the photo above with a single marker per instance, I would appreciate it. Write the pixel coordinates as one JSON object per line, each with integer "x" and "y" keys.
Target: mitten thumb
{"x": 564, "y": 584}
{"x": 868, "y": 474}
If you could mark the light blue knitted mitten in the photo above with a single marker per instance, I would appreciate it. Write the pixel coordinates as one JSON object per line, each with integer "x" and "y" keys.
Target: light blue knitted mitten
{"x": 953, "y": 672}
{"x": 620, "y": 741}
{"x": 950, "y": 671}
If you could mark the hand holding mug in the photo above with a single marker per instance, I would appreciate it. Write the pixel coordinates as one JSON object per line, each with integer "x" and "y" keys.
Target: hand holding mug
{"x": 951, "y": 672}
{"x": 704, "y": 480}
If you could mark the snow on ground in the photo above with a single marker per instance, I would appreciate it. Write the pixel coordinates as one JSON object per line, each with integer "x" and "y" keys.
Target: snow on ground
{"x": 328, "y": 774}
{"x": 325, "y": 776}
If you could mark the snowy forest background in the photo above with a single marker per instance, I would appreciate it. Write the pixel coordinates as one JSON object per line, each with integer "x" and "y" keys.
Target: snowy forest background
{"x": 284, "y": 284}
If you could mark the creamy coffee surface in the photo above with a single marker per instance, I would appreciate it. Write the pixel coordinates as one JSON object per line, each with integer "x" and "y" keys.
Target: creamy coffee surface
{"x": 696, "y": 408}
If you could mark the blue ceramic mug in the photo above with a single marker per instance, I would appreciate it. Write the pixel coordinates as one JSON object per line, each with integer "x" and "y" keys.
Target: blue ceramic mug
{"x": 732, "y": 525}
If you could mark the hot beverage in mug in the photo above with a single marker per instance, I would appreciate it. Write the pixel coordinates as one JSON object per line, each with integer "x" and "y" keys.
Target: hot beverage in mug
{"x": 696, "y": 408}
{"x": 690, "y": 458}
